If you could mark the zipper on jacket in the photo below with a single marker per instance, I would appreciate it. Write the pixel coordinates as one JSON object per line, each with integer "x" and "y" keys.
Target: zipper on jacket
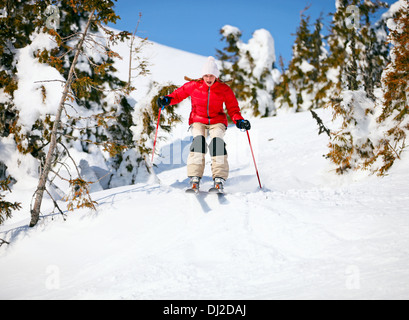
{"x": 208, "y": 104}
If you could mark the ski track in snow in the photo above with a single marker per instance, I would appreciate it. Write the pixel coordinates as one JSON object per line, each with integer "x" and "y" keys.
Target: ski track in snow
{"x": 307, "y": 235}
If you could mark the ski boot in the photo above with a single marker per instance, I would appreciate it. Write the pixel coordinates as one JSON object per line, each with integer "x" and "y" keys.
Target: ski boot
{"x": 218, "y": 184}
{"x": 194, "y": 185}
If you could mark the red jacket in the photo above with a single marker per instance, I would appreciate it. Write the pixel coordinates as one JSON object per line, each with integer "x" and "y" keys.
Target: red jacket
{"x": 207, "y": 102}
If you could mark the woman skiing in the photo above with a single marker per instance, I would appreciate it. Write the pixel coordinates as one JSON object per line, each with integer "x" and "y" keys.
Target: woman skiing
{"x": 208, "y": 95}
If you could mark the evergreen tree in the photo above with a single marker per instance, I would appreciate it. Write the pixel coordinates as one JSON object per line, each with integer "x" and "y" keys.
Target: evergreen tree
{"x": 147, "y": 115}
{"x": 394, "y": 116}
{"x": 357, "y": 55}
{"x": 251, "y": 67}
{"x": 230, "y": 57}
{"x": 6, "y": 207}
{"x": 85, "y": 87}
{"x": 94, "y": 87}
{"x": 18, "y": 20}
{"x": 70, "y": 40}
{"x": 318, "y": 78}
{"x": 355, "y": 50}
{"x": 284, "y": 91}
{"x": 302, "y": 86}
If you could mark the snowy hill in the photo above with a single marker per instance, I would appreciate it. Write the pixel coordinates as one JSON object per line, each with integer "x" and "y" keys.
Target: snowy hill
{"x": 309, "y": 234}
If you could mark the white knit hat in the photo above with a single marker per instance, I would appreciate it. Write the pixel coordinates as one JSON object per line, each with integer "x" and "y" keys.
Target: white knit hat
{"x": 210, "y": 67}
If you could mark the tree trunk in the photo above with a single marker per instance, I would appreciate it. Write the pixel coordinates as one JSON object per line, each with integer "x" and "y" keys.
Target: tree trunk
{"x": 35, "y": 212}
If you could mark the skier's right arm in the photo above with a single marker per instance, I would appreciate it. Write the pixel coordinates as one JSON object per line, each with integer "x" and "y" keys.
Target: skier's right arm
{"x": 182, "y": 93}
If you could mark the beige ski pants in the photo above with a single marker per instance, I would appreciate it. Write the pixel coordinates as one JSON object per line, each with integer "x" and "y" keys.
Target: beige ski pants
{"x": 216, "y": 147}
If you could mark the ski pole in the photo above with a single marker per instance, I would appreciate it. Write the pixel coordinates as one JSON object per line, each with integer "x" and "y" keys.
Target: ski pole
{"x": 156, "y": 133}
{"x": 254, "y": 160}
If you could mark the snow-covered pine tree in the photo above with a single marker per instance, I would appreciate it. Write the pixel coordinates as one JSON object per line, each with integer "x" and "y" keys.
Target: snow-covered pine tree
{"x": 230, "y": 57}
{"x": 145, "y": 118}
{"x": 318, "y": 77}
{"x": 355, "y": 49}
{"x": 18, "y": 20}
{"x": 6, "y": 207}
{"x": 394, "y": 116}
{"x": 94, "y": 85}
{"x": 302, "y": 86}
{"x": 357, "y": 55}
{"x": 283, "y": 91}
{"x": 97, "y": 114}
{"x": 293, "y": 77}
{"x": 83, "y": 57}
{"x": 251, "y": 66}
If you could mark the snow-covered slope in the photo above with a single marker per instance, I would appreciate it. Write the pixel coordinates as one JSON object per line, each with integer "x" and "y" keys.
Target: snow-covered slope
{"x": 307, "y": 234}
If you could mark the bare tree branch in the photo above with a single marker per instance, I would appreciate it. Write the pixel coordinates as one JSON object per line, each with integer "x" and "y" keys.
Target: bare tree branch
{"x": 3, "y": 242}
{"x": 35, "y": 212}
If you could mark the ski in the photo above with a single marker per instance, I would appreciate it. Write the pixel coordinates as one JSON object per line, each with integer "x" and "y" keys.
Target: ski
{"x": 211, "y": 191}
{"x": 192, "y": 190}
{"x": 216, "y": 190}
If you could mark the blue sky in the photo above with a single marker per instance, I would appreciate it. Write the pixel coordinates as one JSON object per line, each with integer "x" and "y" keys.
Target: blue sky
{"x": 194, "y": 25}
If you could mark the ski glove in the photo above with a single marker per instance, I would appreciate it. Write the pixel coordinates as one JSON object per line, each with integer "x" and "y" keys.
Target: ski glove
{"x": 243, "y": 124}
{"x": 163, "y": 101}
